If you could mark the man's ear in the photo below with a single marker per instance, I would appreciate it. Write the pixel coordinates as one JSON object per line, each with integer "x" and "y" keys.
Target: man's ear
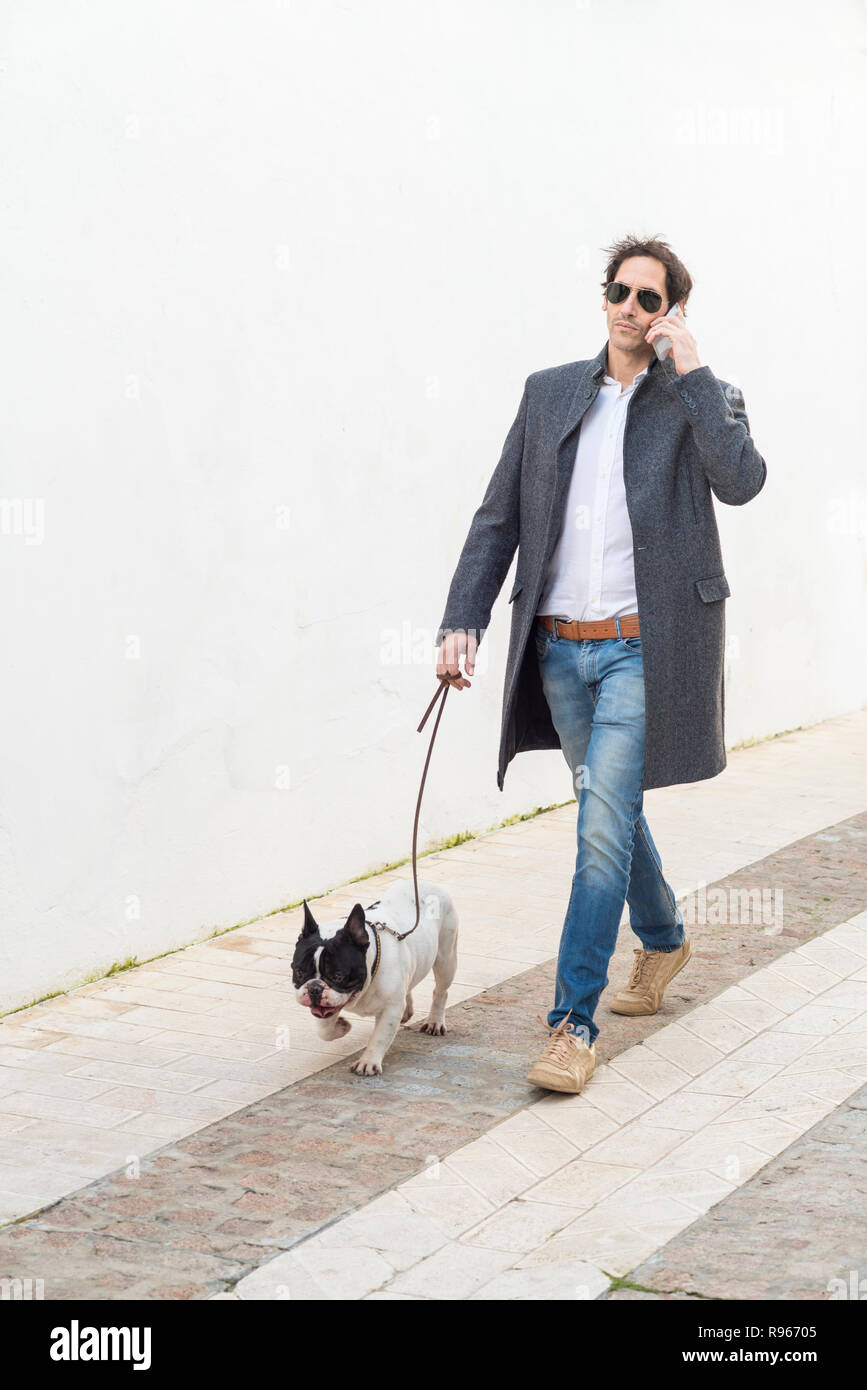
{"x": 355, "y": 928}
{"x": 310, "y": 927}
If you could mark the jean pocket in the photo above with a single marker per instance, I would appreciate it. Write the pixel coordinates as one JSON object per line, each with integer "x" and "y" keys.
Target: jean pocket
{"x": 632, "y": 644}
{"x": 543, "y": 642}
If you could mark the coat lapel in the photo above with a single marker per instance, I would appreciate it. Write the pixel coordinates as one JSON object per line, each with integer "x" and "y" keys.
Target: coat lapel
{"x": 583, "y": 397}
{"x": 585, "y": 393}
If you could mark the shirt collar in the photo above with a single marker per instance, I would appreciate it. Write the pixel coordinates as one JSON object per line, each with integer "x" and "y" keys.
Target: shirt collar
{"x": 612, "y": 381}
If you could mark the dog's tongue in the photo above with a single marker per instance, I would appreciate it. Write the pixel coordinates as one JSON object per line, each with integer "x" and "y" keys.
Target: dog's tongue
{"x": 319, "y": 1011}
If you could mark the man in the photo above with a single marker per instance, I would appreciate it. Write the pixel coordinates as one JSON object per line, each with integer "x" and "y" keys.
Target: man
{"x": 617, "y": 644}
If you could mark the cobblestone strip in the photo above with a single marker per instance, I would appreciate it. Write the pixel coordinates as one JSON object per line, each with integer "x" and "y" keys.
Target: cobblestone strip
{"x": 192, "y": 1219}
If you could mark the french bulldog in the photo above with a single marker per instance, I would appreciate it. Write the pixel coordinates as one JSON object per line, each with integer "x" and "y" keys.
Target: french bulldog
{"x": 337, "y": 966}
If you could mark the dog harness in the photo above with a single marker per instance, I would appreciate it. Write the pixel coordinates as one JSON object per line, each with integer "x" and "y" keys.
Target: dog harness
{"x": 377, "y": 928}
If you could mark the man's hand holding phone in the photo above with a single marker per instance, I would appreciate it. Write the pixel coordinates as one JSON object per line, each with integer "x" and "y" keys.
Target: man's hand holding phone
{"x": 455, "y": 645}
{"x": 672, "y": 328}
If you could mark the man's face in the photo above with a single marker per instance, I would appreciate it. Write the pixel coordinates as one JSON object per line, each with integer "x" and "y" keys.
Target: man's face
{"x": 628, "y": 322}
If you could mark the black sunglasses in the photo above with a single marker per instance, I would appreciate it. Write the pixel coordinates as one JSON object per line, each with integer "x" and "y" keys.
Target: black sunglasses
{"x": 615, "y": 293}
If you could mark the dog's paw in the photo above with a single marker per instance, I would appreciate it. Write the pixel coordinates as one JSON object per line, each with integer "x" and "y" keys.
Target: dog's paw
{"x": 363, "y": 1066}
{"x": 433, "y": 1027}
{"x": 330, "y": 1029}
{"x": 407, "y": 1014}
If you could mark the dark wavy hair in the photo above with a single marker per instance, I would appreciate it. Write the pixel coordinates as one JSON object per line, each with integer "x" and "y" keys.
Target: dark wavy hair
{"x": 678, "y": 281}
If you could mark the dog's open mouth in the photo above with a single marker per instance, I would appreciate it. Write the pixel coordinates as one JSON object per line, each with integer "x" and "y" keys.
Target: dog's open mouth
{"x": 324, "y": 1011}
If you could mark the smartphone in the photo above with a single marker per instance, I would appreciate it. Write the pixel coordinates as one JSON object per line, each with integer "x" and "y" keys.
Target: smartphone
{"x": 662, "y": 346}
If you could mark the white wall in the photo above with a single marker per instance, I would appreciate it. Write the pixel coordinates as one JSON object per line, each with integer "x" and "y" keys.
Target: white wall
{"x": 263, "y": 256}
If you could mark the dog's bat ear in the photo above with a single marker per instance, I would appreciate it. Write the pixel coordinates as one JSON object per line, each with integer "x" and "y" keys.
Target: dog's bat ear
{"x": 355, "y": 928}
{"x": 310, "y": 927}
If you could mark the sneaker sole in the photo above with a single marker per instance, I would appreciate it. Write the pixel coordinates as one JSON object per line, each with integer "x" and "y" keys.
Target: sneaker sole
{"x": 552, "y": 1081}
{"x": 557, "y": 1084}
{"x": 644, "y": 1013}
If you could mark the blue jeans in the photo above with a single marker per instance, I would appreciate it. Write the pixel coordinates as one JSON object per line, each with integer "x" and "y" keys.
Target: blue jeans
{"x": 595, "y": 691}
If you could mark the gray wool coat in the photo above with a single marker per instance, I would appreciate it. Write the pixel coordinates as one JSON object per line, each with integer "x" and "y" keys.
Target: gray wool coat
{"x": 687, "y": 438}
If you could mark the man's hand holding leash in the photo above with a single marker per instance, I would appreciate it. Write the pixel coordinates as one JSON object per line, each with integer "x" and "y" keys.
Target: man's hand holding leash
{"x": 454, "y": 646}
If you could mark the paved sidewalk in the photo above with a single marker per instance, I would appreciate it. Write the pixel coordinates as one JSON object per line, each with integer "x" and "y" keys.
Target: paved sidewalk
{"x": 796, "y": 1230}
{"x": 579, "y": 1189}
{"x": 271, "y": 1140}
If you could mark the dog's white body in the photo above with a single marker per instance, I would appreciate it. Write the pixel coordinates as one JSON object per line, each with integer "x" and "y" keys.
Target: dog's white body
{"x": 402, "y": 965}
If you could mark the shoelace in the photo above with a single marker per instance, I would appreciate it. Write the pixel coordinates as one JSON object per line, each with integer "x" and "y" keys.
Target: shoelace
{"x": 642, "y": 960}
{"x": 561, "y": 1036}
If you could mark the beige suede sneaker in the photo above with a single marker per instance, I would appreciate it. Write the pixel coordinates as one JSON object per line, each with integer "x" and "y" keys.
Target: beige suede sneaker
{"x": 567, "y": 1062}
{"x": 651, "y": 972}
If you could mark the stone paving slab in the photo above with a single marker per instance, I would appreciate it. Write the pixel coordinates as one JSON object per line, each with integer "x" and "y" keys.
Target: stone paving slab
{"x": 193, "y": 1218}
{"x": 797, "y": 1230}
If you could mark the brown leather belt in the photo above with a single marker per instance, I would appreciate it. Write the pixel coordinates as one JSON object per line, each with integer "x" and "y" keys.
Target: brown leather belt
{"x": 583, "y": 632}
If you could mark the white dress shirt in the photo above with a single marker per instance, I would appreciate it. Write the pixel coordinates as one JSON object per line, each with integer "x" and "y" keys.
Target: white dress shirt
{"x": 591, "y": 573}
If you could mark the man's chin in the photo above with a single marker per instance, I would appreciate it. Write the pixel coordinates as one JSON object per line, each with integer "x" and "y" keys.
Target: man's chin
{"x": 631, "y": 342}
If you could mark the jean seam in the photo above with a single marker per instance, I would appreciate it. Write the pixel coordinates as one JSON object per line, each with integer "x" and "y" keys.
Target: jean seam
{"x": 660, "y": 874}
{"x": 634, "y": 820}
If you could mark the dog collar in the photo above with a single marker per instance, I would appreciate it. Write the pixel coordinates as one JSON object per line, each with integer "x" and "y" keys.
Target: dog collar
{"x": 374, "y": 926}
{"x": 377, "y": 927}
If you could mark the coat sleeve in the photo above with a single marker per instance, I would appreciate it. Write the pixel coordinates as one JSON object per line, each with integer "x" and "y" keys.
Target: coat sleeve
{"x": 491, "y": 542}
{"x": 733, "y": 465}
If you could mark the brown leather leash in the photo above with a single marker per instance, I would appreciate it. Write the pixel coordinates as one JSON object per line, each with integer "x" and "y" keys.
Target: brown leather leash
{"x": 441, "y": 694}
{"x": 603, "y": 629}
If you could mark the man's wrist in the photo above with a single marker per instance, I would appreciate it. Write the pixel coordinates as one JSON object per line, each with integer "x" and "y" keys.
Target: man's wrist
{"x": 691, "y": 371}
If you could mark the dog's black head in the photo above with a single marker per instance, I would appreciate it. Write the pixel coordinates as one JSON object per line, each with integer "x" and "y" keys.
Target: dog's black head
{"x": 330, "y": 972}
